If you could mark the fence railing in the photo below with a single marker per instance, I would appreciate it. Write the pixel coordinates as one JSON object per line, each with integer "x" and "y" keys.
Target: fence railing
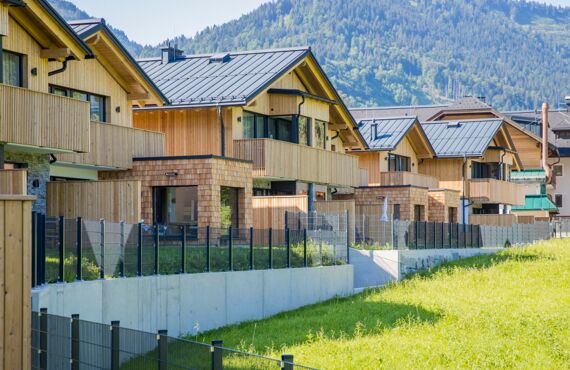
{"x": 71, "y": 343}
{"x": 66, "y": 250}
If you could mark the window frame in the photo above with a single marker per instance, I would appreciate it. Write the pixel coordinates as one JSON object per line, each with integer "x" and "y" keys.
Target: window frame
{"x": 398, "y": 161}
{"x": 559, "y": 200}
{"x": 561, "y": 167}
{"x": 20, "y": 57}
{"x": 68, "y": 93}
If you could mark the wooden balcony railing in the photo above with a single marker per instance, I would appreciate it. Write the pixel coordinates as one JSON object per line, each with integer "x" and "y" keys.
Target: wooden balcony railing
{"x": 409, "y": 178}
{"x": 280, "y": 160}
{"x": 13, "y": 182}
{"x": 115, "y": 146}
{"x": 496, "y": 191}
{"x": 39, "y": 119}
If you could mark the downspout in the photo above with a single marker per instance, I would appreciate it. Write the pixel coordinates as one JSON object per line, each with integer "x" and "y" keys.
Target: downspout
{"x": 63, "y": 67}
{"x": 544, "y": 155}
{"x": 222, "y": 132}
{"x": 464, "y": 205}
{"x": 502, "y": 164}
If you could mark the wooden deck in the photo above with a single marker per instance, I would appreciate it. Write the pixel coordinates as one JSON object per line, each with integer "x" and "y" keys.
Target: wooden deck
{"x": 280, "y": 160}
{"x": 40, "y": 119}
{"x": 496, "y": 191}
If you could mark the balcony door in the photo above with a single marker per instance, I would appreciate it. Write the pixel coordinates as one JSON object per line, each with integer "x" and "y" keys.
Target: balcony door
{"x": 176, "y": 205}
{"x": 12, "y": 69}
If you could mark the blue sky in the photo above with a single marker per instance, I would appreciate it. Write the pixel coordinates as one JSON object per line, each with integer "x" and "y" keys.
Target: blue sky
{"x": 150, "y": 22}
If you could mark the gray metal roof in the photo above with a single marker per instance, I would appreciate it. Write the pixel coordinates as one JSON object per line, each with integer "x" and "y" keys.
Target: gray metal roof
{"x": 422, "y": 112}
{"x": 86, "y": 27}
{"x": 468, "y": 138}
{"x": 385, "y": 133}
{"x": 197, "y": 81}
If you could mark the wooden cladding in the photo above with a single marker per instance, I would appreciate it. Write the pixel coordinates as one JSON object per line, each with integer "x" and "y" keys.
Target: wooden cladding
{"x": 408, "y": 178}
{"x": 270, "y": 211}
{"x": 115, "y": 146}
{"x": 16, "y": 281}
{"x": 45, "y": 120}
{"x": 4, "y": 17}
{"x": 276, "y": 159}
{"x": 114, "y": 201}
{"x": 13, "y": 182}
{"x": 493, "y": 220}
{"x": 496, "y": 191}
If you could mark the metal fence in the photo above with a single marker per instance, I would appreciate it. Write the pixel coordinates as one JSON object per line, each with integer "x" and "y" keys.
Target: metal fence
{"x": 71, "y": 343}
{"x": 562, "y": 228}
{"x": 77, "y": 249}
{"x": 316, "y": 221}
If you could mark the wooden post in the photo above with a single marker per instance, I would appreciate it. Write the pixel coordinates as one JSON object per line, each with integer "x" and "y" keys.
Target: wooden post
{"x": 16, "y": 280}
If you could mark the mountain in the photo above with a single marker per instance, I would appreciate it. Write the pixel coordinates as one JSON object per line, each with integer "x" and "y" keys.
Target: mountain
{"x": 385, "y": 52}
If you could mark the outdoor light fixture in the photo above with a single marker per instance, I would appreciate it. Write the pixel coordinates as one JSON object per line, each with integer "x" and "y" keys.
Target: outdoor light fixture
{"x": 34, "y": 71}
{"x": 118, "y": 109}
{"x": 171, "y": 174}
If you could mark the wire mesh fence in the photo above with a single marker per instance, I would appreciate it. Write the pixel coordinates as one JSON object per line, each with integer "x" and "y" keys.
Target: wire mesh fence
{"x": 68, "y": 250}
{"x": 71, "y": 343}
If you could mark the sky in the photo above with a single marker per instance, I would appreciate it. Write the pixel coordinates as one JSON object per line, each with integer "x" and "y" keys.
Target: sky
{"x": 151, "y": 22}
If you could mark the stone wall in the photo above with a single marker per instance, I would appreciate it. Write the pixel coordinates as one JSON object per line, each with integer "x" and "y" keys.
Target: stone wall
{"x": 209, "y": 173}
{"x": 38, "y": 175}
{"x": 440, "y": 200}
{"x": 406, "y": 196}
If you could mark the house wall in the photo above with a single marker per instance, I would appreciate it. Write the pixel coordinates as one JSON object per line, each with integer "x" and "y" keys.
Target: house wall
{"x": 447, "y": 171}
{"x": 208, "y": 173}
{"x": 563, "y": 187}
{"x": 440, "y": 200}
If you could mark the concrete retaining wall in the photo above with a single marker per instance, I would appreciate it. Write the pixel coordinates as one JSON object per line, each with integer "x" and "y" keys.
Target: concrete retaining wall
{"x": 187, "y": 303}
{"x": 376, "y": 268}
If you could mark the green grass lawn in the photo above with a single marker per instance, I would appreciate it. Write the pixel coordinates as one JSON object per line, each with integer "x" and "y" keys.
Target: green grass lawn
{"x": 510, "y": 310}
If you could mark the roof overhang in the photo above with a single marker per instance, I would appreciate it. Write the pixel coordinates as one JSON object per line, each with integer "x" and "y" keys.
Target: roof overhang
{"x": 304, "y": 94}
{"x": 49, "y": 29}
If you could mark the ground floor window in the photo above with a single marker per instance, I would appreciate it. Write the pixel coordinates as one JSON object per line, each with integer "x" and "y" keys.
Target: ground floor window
{"x": 176, "y": 205}
{"x": 396, "y": 213}
{"x": 419, "y": 212}
{"x": 229, "y": 207}
{"x": 452, "y": 215}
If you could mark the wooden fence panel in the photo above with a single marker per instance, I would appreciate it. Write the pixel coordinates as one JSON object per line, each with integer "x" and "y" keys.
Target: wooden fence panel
{"x": 493, "y": 220}
{"x": 115, "y": 200}
{"x": 15, "y": 281}
{"x": 270, "y": 211}
{"x": 14, "y": 182}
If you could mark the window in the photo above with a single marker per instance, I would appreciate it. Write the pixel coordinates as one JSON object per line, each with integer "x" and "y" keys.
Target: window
{"x": 396, "y": 213}
{"x": 229, "y": 207}
{"x": 280, "y": 128}
{"x": 320, "y": 134}
{"x": 176, "y": 205}
{"x": 398, "y": 163}
{"x": 418, "y": 212}
{"x": 452, "y": 215}
{"x": 558, "y": 170}
{"x": 97, "y": 102}
{"x": 304, "y": 130}
{"x": 558, "y": 200}
{"x": 12, "y": 69}
{"x": 480, "y": 170}
{"x": 253, "y": 125}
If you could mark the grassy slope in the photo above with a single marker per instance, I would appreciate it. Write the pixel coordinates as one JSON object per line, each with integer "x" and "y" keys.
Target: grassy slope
{"x": 508, "y": 310}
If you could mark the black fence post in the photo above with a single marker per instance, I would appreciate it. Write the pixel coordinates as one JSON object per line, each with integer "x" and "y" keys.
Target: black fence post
{"x": 442, "y": 235}
{"x": 270, "y": 231}
{"x": 471, "y": 233}
{"x": 305, "y": 248}
{"x": 75, "y": 342}
{"x": 286, "y": 219}
{"x": 230, "y": 250}
{"x": 434, "y": 237}
{"x": 102, "y": 239}
{"x": 288, "y": 248}
{"x": 162, "y": 350}
{"x": 115, "y": 345}
{"x": 217, "y": 355}
{"x": 156, "y": 249}
{"x": 61, "y": 241}
{"x": 34, "y": 247}
{"x": 457, "y": 234}
{"x": 287, "y": 361}
{"x": 425, "y": 234}
{"x": 43, "y": 338}
{"x": 416, "y": 227}
{"x": 122, "y": 249}
{"x": 208, "y": 248}
{"x": 79, "y": 249}
{"x": 139, "y": 248}
{"x": 41, "y": 249}
{"x": 183, "y": 246}
{"x": 251, "y": 248}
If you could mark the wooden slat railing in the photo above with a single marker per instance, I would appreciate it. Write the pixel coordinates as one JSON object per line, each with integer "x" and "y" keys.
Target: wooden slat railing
{"x": 39, "y": 119}
{"x": 409, "y": 178}
{"x": 493, "y": 220}
{"x": 115, "y": 146}
{"x": 282, "y": 160}
{"x": 14, "y": 182}
{"x": 496, "y": 191}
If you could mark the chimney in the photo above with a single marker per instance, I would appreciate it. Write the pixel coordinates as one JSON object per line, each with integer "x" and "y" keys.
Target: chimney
{"x": 170, "y": 54}
{"x": 544, "y": 155}
{"x": 567, "y": 100}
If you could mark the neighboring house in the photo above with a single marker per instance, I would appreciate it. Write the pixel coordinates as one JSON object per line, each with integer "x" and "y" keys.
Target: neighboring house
{"x": 265, "y": 122}
{"x": 66, "y": 107}
{"x": 395, "y": 148}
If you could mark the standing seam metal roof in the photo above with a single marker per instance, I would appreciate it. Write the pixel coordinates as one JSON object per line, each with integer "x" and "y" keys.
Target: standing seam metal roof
{"x": 385, "y": 133}
{"x": 468, "y": 138}
{"x": 195, "y": 81}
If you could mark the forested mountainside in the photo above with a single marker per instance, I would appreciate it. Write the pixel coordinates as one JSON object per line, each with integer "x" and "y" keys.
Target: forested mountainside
{"x": 385, "y": 52}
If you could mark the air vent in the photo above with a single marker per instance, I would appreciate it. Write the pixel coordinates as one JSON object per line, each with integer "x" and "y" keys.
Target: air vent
{"x": 220, "y": 58}
{"x": 453, "y": 125}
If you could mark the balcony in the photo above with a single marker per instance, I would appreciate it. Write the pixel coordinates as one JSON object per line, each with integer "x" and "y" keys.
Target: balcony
{"x": 113, "y": 146}
{"x": 42, "y": 120}
{"x": 496, "y": 191}
{"x": 14, "y": 182}
{"x": 408, "y": 178}
{"x": 281, "y": 160}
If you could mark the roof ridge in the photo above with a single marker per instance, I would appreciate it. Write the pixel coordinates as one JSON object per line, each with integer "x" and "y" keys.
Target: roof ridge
{"x": 399, "y": 107}
{"x": 242, "y": 52}
{"x": 462, "y": 121}
{"x": 87, "y": 21}
{"x": 387, "y": 118}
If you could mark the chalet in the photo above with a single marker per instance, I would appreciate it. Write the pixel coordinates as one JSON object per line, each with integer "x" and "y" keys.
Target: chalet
{"x": 265, "y": 122}
{"x": 66, "y": 94}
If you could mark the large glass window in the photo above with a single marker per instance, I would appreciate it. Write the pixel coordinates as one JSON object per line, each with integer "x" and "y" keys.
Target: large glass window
{"x": 176, "y": 205}
{"x": 280, "y": 128}
{"x": 97, "y": 102}
{"x": 229, "y": 207}
{"x": 398, "y": 163}
{"x": 12, "y": 69}
{"x": 480, "y": 170}
{"x": 320, "y": 134}
{"x": 304, "y": 130}
{"x": 253, "y": 125}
